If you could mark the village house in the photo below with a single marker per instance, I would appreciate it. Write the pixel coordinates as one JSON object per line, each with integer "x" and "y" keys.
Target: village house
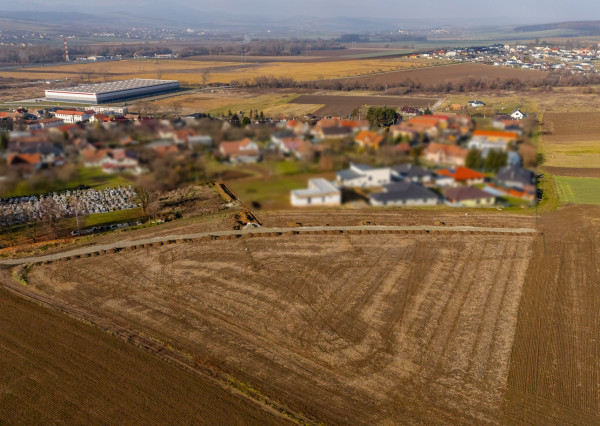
{"x": 99, "y": 118}
{"x": 72, "y": 117}
{"x": 482, "y": 143}
{"x": 48, "y": 123}
{"x": 335, "y": 128}
{"x": 463, "y": 175}
{"x": 335, "y": 132}
{"x": 367, "y": 139}
{"x": 320, "y": 192}
{"x": 199, "y": 140}
{"x": 496, "y": 135}
{"x": 476, "y": 104}
{"x": 404, "y": 194}
{"x": 515, "y": 177}
{"x": 438, "y": 153}
{"x": 517, "y": 114}
{"x": 111, "y": 160}
{"x": 412, "y": 173}
{"x": 297, "y": 127}
{"x": 410, "y": 111}
{"x": 244, "y": 151}
{"x": 469, "y": 196}
{"x": 363, "y": 176}
{"x": 24, "y": 162}
{"x": 295, "y": 146}
{"x": 163, "y": 148}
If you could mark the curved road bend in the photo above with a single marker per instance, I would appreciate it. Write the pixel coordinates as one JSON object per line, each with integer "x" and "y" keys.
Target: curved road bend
{"x": 125, "y": 244}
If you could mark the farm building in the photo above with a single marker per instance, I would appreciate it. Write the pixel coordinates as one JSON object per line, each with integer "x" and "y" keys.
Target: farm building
{"x": 112, "y": 91}
{"x": 320, "y": 192}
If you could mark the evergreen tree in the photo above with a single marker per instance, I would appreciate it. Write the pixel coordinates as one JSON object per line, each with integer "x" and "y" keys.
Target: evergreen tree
{"x": 382, "y": 116}
{"x": 473, "y": 159}
{"x": 3, "y": 141}
{"x": 494, "y": 160}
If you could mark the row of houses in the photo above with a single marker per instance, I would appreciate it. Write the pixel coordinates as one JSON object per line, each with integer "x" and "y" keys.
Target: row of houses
{"x": 411, "y": 185}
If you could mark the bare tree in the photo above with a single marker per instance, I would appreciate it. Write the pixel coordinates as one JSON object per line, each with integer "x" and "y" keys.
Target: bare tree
{"x": 7, "y": 223}
{"x": 32, "y": 218}
{"x": 145, "y": 196}
{"x": 205, "y": 75}
{"x": 51, "y": 212}
{"x": 153, "y": 209}
{"x": 77, "y": 207}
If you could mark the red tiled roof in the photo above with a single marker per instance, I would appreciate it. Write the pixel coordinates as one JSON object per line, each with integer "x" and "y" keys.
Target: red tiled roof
{"x": 461, "y": 174}
{"x": 449, "y": 150}
{"x": 30, "y": 159}
{"x": 365, "y": 137}
{"x": 233, "y": 147}
{"x": 65, "y": 112}
{"x": 495, "y": 134}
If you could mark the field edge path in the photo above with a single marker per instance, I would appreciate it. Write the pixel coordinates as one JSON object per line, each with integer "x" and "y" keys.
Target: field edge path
{"x": 88, "y": 250}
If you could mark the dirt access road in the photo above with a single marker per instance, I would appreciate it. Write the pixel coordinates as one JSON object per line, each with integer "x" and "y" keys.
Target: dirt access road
{"x": 84, "y": 251}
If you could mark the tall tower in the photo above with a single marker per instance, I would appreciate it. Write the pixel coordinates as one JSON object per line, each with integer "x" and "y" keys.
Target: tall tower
{"x": 66, "y": 49}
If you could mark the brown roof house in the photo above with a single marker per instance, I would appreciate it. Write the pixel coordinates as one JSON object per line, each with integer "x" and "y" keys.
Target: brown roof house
{"x": 111, "y": 160}
{"x": 244, "y": 151}
{"x": 439, "y": 153}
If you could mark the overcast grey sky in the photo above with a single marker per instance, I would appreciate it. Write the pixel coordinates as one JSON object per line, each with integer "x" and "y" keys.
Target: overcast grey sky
{"x": 477, "y": 11}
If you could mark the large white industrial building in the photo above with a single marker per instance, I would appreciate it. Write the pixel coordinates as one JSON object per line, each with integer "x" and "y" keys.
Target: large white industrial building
{"x": 113, "y": 91}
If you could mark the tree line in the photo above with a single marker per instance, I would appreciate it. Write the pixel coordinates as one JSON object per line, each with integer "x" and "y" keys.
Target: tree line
{"x": 407, "y": 86}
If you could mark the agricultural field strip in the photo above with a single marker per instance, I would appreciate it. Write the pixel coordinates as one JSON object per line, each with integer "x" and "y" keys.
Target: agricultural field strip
{"x": 376, "y": 228}
{"x": 154, "y": 347}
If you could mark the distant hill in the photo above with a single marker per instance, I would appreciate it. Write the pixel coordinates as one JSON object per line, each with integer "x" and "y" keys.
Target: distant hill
{"x": 586, "y": 28}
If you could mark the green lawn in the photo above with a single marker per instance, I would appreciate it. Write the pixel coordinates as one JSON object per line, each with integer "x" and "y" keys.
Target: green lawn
{"x": 273, "y": 192}
{"x": 117, "y": 216}
{"x": 578, "y": 190}
{"x": 92, "y": 176}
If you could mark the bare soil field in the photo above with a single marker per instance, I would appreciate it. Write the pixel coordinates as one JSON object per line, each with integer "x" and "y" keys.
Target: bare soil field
{"x": 455, "y": 73}
{"x": 571, "y": 139}
{"x": 572, "y": 127}
{"x": 398, "y": 216}
{"x": 555, "y": 364}
{"x": 190, "y": 72}
{"x": 344, "y": 105}
{"x": 57, "y": 370}
{"x": 355, "y": 329}
{"x": 573, "y": 171}
{"x": 314, "y": 56}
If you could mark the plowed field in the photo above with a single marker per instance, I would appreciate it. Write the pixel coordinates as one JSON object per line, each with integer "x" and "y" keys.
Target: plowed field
{"x": 555, "y": 365}
{"x": 571, "y": 139}
{"x": 344, "y": 105}
{"x": 354, "y": 329}
{"x": 56, "y": 370}
{"x": 455, "y": 73}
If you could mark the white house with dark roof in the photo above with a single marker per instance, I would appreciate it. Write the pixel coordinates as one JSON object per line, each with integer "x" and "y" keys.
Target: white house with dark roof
{"x": 517, "y": 114}
{"x": 412, "y": 173}
{"x": 363, "y": 176}
{"x": 320, "y": 192}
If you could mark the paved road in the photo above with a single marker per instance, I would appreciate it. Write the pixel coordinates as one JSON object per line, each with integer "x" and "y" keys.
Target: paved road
{"x": 124, "y": 244}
